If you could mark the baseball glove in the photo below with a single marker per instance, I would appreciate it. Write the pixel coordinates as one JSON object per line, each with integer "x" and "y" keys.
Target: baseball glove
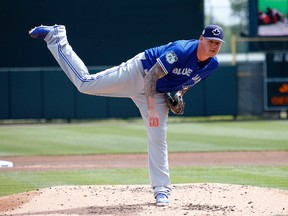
{"x": 176, "y": 103}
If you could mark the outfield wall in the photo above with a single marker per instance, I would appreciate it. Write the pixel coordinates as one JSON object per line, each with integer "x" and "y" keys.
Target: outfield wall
{"x": 102, "y": 32}
{"x": 46, "y": 93}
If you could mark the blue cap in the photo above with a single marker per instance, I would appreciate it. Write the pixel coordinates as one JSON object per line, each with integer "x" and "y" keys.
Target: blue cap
{"x": 213, "y": 32}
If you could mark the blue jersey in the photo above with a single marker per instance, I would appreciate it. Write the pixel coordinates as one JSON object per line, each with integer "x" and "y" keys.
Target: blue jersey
{"x": 179, "y": 61}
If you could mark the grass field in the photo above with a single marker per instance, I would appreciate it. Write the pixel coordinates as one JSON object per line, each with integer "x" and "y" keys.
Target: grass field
{"x": 130, "y": 137}
{"x": 271, "y": 176}
{"x": 109, "y": 137}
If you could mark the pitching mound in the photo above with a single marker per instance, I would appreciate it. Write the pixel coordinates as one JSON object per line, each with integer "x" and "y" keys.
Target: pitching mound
{"x": 194, "y": 199}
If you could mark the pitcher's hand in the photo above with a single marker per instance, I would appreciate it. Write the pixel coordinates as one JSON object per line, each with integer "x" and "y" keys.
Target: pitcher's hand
{"x": 153, "y": 118}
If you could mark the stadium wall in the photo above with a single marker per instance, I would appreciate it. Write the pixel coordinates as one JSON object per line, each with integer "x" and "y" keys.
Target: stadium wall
{"x": 102, "y": 32}
{"x": 35, "y": 93}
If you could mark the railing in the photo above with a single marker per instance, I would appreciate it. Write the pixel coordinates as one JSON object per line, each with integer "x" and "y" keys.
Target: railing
{"x": 236, "y": 40}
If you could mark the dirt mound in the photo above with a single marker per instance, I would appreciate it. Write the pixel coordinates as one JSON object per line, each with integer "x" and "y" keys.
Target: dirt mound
{"x": 137, "y": 200}
{"x": 192, "y": 199}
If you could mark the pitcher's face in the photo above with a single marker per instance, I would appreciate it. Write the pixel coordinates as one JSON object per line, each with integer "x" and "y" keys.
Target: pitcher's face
{"x": 209, "y": 48}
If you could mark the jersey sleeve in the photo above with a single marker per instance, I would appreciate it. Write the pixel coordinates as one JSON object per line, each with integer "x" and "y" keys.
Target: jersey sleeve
{"x": 172, "y": 57}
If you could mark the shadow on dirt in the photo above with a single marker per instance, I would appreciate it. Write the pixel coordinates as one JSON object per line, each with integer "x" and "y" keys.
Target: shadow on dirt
{"x": 117, "y": 210}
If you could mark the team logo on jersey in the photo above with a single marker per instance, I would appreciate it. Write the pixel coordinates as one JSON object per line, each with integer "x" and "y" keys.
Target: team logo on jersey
{"x": 171, "y": 57}
{"x": 216, "y": 32}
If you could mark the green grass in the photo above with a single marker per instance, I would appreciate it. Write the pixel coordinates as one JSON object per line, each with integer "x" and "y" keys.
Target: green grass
{"x": 109, "y": 137}
{"x": 229, "y": 136}
{"x": 68, "y": 139}
{"x": 264, "y": 176}
{"x": 130, "y": 137}
{"x": 15, "y": 182}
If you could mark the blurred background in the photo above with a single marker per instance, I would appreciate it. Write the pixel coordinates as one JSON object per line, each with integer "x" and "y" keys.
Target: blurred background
{"x": 251, "y": 81}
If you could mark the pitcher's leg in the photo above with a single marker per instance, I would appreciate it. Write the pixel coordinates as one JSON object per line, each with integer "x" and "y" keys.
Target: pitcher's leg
{"x": 157, "y": 144}
{"x": 67, "y": 59}
{"x": 118, "y": 81}
{"x": 158, "y": 159}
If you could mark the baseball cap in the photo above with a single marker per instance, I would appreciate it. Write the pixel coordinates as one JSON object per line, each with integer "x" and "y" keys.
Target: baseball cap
{"x": 213, "y": 32}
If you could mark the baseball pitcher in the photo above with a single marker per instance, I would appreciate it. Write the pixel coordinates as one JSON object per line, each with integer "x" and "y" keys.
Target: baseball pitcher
{"x": 148, "y": 78}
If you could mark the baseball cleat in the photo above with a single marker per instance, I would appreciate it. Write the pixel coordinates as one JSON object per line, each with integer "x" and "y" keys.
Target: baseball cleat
{"x": 40, "y": 32}
{"x": 162, "y": 200}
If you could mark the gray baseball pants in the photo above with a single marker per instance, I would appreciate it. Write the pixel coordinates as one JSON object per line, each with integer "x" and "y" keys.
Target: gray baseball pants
{"x": 125, "y": 80}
